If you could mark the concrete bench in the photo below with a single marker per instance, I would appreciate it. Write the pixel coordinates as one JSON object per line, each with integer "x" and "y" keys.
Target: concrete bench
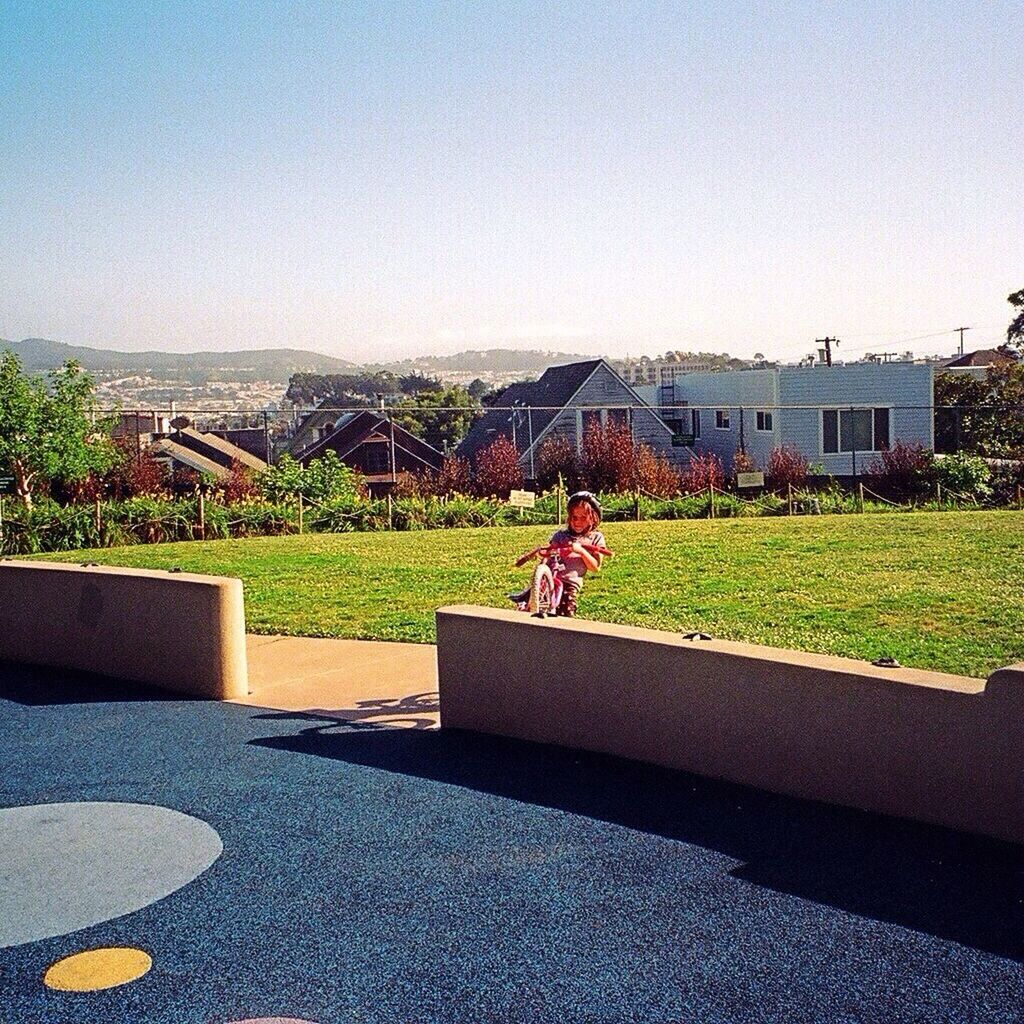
{"x": 178, "y": 631}
{"x": 936, "y": 748}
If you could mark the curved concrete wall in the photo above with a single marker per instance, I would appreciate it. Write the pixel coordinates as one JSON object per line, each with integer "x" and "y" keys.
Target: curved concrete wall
{"x": 938, "y": 748}
{"x": 178, "y": 631}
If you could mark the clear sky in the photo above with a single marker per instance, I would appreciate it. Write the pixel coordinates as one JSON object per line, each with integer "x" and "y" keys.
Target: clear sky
{"x": 384, "y": 180}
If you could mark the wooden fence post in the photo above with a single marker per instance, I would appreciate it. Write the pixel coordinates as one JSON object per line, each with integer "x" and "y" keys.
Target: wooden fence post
{"x": 558, "y": 493}
{"x": 202, "y": 515}
{"x": 636, "y": 505}
{"x": 300, "y": 513}
{"x": 789, "y": 497}
{"x": 711, "y": 493}
{"x": 938, "y": 491}
{"x": 98, "y": 518}
{"x": 860, "y": 497}
{"x": 391, "y": 512}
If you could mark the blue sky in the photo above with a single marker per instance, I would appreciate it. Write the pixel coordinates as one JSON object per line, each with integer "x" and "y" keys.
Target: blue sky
{"x": 381, "y": 181}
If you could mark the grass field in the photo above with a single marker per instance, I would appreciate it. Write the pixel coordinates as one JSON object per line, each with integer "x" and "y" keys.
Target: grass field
{"x": 943, "y": 591}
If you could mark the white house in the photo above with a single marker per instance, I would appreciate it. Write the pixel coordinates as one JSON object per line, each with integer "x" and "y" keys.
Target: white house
{"x": 839, "y": 417}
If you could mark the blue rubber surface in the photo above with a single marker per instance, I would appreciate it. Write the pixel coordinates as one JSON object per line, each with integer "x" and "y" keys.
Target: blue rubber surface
{"x": 395, "y": 876}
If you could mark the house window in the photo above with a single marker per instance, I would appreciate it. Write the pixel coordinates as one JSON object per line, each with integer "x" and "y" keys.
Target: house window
{"x": 848, "y": 430}
{"x": 764, "y": 421}
{"x": 721, "y": 419}
{"x": 376, "y": 457}
{"x": 695, "y": 420}
{"x": 617, "y": 418}
{"x": 590, "y": 419}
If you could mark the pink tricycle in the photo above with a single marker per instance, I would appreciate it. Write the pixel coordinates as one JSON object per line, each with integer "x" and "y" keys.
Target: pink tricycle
{"x": 544, "y": 594}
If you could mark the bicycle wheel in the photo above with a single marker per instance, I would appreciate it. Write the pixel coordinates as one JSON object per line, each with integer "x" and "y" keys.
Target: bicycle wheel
{"x": 541, "y": 590}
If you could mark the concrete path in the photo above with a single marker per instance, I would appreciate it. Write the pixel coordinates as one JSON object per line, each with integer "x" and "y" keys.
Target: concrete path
{"x": 351, "y": 680}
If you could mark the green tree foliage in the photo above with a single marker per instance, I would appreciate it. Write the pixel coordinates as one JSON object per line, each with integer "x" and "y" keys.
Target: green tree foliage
{"x": 445, "y": 427}
{"x": 47, "y": 431}
{"x": 1015, "y": 332}
{"x": 325, "y": 477}
{"x": 981, "y": 417}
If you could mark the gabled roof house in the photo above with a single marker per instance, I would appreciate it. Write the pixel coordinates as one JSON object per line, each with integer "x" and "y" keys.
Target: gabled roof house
{"x": 363, "y": 440}
{"x": 566, "y": 401}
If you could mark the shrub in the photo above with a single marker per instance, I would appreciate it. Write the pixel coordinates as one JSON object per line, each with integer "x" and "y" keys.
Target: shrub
{"x": 654, "y": 473}
{"x": 324, "y": 478}
{"x": 607, "y": 459}
{"x": 497, "y": 469}
{"x": 964, "y": 474}
{"x": 241, "y": 486}
{"x": 557, "y": 459}
{"x": 903, "y": 469}
{"x": 701, "y": 472}
{"x": 787, "y": 467}
{"x": 743, "y": 463}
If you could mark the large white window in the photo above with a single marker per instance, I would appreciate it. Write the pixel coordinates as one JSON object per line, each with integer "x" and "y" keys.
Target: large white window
{"x": 849, "y": 430}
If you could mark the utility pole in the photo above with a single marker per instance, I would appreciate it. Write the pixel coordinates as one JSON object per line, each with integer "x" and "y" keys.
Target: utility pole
{"x": 828, "y": 343}
{"x": 961, "y": 330}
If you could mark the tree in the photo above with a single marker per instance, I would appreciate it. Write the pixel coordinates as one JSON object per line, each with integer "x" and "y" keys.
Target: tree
{"x": 982, "y": 417}
{"x": 47, "y": 426}
{"x": 444, "y": 428}
{"x": 1015, "y": 332}
{"x": 497, "y": 469}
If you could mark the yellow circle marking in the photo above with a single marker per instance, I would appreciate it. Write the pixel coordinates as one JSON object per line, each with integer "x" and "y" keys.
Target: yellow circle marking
{"x": 96, "y": 969}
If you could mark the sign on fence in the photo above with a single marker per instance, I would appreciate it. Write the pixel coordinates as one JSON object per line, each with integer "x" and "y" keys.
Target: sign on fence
{"x": 750, "y": 479}
{"x": 683, "y": 440}
{"x": 6, "y": 484}
{"x": 521, "y": 499}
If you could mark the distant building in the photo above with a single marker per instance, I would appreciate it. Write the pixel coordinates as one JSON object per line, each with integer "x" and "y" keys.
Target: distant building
{"x": 983, "y": 357}
{"x": 839, "y": 417}
{"x": 367, "y": 442}
{"x": 565, "y": 402}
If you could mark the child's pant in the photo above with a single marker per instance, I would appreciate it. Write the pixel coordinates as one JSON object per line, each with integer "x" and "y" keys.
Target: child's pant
{"x": 570, "y": 591}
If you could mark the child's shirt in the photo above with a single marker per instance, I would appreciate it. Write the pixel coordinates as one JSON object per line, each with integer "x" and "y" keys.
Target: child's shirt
{"x": 575, "y": 567}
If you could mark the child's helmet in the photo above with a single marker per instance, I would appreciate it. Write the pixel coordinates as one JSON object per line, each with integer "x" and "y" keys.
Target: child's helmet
{"x": 589, "y": 499}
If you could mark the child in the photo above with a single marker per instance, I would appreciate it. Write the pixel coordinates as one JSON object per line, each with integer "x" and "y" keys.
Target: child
{"x": 583, "y": 513}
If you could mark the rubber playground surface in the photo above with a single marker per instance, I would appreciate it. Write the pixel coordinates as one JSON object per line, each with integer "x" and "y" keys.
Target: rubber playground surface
{"x": 168, "y": 860}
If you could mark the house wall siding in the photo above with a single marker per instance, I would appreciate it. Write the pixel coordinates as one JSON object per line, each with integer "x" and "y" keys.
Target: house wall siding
{"x": 904, "y": 388}
{"x": 604, "y": 390}
{"x": 753, "y": 390}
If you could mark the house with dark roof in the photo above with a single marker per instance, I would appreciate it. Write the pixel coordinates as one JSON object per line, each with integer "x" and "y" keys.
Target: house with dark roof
{"x": 202, "y": 453}
{"x": 982, "y": 357}
{"x": 369, "y": 443}
{"x": 216, "y": 449}
{"x": 567, "y": 401}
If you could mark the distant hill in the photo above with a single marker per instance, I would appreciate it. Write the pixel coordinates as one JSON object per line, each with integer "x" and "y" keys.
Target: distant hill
{"x": 38, "y": 354}
{"x": 493, "y": 360}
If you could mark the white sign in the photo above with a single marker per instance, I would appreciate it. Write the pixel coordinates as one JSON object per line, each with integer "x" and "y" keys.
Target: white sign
{"x": 521, "y": 499}
{"x": 750, "y": 479}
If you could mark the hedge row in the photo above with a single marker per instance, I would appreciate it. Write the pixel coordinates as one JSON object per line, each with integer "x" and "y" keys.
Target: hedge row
{"x": 50, "y": 526}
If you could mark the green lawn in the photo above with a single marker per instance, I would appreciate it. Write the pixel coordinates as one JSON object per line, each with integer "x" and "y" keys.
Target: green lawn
{"x": 934, "y": 590}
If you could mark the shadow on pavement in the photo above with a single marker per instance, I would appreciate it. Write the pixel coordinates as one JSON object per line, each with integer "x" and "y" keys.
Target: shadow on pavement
{"x": 35, "y": 685}
{"x": 951, "y": 885}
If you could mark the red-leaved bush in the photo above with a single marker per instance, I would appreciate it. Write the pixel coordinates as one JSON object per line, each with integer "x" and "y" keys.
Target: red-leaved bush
{"x": 607, "y": 459}
{"x": 556, "y": 458}
{"x": 241, "y": 485}
{"x": 654, "y": 473}
{"x": 497, "y": 469}
{"x": 901, "y": 470}
{"x": 786, "y": 467}
{"x": 701, "y": 472}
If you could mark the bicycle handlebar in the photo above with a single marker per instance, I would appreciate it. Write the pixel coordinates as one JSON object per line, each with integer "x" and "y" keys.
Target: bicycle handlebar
{"x": 561, "y": 550}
